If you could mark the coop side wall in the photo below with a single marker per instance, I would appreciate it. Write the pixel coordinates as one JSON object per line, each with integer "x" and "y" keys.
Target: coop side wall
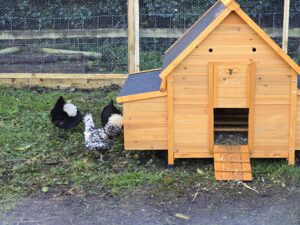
{"x": 145, "y": 124}
{"x": 298, "y": 123}
{"x": 232, "y": 41}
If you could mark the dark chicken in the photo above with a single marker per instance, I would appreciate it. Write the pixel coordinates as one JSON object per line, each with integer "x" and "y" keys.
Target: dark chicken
{"x": 65, "y": 115}
{"x": 107, "y": 111}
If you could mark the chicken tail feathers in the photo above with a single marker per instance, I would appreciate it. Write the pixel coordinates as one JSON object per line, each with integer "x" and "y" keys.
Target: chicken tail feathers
{"x": 88, "y": 122}
{"x": 58, "y": 105}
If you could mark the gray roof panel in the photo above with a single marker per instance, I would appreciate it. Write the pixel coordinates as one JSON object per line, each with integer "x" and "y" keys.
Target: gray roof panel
{"x": 145, "y": 82}
{"x": 141, "y": 83}
{"x": 193, "y": 33}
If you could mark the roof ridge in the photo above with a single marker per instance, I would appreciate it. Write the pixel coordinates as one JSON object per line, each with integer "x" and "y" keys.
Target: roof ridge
{"x": 227, "y": 2}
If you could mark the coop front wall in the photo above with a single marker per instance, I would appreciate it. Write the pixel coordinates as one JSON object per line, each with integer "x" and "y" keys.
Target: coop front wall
{"x": 233, "y": 41}
{"x": 145, "y": 124}
{"x": 190, "y": 93}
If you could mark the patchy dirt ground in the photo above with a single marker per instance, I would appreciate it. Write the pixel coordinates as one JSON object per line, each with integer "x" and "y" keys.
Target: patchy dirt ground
{"x": 225, "y": 206}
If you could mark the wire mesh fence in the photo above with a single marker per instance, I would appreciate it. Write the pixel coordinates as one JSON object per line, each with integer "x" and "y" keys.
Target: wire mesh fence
{"x": 80, "y": 36}
{"x": 182, "y": 14}
{"x": 75, "y": 36}
{"x": 294, "y": 37}
{"x": 168, "y": 16}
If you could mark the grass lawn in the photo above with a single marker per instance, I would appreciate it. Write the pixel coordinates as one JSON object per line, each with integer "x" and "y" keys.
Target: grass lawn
{"x": 36, "y": 157}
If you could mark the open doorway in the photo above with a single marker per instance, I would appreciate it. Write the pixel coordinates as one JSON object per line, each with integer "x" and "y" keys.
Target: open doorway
{"x": 231, "y": 126}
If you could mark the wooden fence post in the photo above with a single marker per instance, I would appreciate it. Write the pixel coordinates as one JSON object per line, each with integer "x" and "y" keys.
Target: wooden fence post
{"x": 286, "y": 19}
{"x": 133, "y": 36}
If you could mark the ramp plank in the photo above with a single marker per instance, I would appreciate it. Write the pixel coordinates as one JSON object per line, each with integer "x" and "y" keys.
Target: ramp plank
{"x": 232, "y": 162}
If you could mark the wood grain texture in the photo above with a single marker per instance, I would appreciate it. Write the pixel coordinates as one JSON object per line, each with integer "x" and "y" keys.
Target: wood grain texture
{"x": 190, "y": 110}
{"x": 183, "y": 155}
{"x": 252, "y": 93}
{"x": 270, "y": 89}
{"x": 293, "y": 115}
{"x": 57, "y": 81}
{"x": 271, "y": 128}
{"x": 211, "y": 84}
{"x": 264, "y": 86}
{"x": 268, "y": 40}
{"x": 133, "y": 36}
{"x": 145, "y": 124}
{"x": 171, "y": 137}
{"x": 130, "y": 98}
{"x": 285, "y": 29}
{"x": 298, "y": 123}
{"x": 232, "y": 163}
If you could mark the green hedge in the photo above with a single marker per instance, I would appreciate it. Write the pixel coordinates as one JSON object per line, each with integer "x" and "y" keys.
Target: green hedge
{"x": 84, "y": 8}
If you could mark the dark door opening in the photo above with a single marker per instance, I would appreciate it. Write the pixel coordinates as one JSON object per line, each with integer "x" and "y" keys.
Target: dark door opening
{"x": 231, "y": 126}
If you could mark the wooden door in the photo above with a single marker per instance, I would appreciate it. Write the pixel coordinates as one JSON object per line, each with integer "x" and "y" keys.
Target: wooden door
{"x": 234, "y": 88}
{"x": 231, "y": 85}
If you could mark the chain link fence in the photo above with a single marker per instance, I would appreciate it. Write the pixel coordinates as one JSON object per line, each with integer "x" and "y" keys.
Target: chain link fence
{"x": 294, "y": 33}
{"x": 75, "y": 36}
{"x": 168, "y": 18}
{"x": 80, "y": 36}
{"x": 182, "y": 14}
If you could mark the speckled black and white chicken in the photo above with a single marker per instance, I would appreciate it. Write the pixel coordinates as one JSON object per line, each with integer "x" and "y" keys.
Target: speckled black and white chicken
{"x": 102, "y": 139}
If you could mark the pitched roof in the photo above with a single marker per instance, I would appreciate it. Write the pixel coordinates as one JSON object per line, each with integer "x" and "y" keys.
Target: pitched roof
{"x": 143, "y": 82}
{"x": 201, "y": 29}
{"x": 148, "y": 84}
{"x": 192, "y": 33}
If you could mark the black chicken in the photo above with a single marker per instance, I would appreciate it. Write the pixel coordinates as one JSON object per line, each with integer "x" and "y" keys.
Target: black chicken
{"x": 65, "y": 115}
{"x": 107, "y": 111}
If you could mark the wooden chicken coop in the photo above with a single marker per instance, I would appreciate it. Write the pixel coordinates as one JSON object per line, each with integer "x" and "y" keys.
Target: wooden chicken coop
{"x": 224, "y": 74}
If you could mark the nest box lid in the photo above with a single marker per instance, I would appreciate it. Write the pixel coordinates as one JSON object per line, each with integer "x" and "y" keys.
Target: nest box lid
{"x": 141, "y": 84}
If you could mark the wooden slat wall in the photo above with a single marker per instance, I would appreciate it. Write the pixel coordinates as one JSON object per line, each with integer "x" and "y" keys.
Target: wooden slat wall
{"x": 271, "y": 128}
{"x": 145, "y": 124}
{"x": 298, "y": 123}
{"x": 233, "y": 41}
{"x": 226, "y": 91}
{"x": 190, "y": 111}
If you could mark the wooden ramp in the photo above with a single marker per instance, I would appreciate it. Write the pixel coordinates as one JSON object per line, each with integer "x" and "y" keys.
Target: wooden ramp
{"x": 232, "y": 162}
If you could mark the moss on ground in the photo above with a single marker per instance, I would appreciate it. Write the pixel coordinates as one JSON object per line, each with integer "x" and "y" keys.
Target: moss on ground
{"x": 37, "y": 157}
